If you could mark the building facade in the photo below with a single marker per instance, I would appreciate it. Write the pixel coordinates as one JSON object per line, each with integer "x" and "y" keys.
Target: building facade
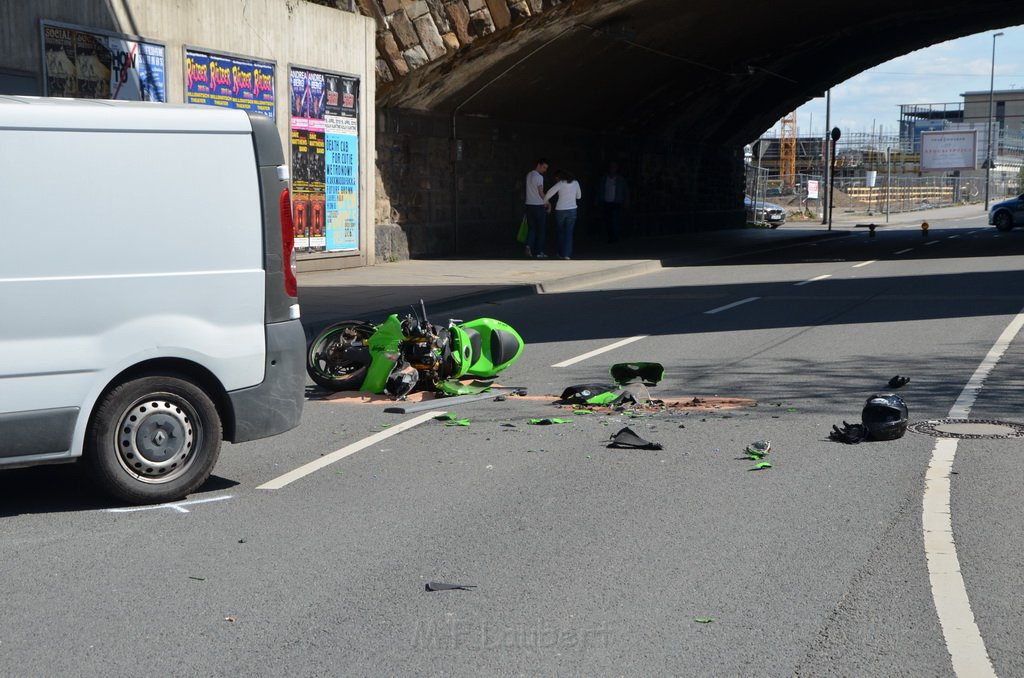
{"x": 309, "y": 67}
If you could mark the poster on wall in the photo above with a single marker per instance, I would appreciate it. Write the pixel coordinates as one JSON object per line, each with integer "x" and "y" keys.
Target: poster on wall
{"x": 92, "y": 64}
{"x": 229, "y": 81}
{"x": 325, "y": 159}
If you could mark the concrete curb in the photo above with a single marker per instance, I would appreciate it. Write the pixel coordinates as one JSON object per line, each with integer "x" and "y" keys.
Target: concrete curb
{"x": 573, "y": 282}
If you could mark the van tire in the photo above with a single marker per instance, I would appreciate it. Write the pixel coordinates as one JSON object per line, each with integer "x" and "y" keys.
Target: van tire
{"x": 153, "y": 439}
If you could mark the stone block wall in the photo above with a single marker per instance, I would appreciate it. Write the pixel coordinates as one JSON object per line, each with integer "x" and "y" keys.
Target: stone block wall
{"x": 412, "y": 33}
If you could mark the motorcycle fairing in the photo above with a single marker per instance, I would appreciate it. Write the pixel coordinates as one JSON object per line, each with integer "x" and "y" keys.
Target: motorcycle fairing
{"x": 649, "y": 373}
{"x": 384, "y": 350}
{"x": 493, "y": 345}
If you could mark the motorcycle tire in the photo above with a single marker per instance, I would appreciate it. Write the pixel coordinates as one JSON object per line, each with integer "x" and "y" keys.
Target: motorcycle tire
{"x": 338, "y": 374}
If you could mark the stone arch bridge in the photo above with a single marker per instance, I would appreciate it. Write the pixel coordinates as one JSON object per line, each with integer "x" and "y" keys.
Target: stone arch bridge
{"x": 471, "y": 92}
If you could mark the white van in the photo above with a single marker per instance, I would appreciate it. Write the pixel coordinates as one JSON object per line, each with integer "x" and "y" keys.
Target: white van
{"x": 148, "y": 302}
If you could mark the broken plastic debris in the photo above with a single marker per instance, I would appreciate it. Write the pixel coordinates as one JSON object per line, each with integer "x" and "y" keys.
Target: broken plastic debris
{"x": 760, "y": 466}
{"x": 230, "y": 618}
{"x": 457, "y": 422}
{"x": 648, "y": 373}
{"x": 548, "y": 421}
{"x": 627, "y": 438}
{"x": 440, "y": 586}
{"x": 589, "y": 394}
{"x": 704, "y": 620}
{"x": 445, "y": 417}
{"x": 198, "y": 578}
{"x": 898, "y": 381}
{"x": 454, "y": 387}
{"x": 758, "y": 449}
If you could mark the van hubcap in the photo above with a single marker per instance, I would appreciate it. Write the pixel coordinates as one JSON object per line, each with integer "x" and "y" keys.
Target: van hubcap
{"x": 155, "y": 439}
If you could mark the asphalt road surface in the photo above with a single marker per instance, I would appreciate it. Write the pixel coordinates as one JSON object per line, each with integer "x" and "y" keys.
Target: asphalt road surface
{"x": 585, "y": 560}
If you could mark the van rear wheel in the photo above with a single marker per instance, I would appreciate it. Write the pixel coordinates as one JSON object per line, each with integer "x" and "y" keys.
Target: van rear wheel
{"x": 153, "y": 439}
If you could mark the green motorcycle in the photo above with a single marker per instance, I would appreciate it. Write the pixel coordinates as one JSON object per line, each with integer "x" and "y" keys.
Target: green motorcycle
{"x": 397, "y": 357}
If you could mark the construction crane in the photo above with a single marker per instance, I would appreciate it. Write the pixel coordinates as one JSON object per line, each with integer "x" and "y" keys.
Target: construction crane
{"x": 787, "y": 152}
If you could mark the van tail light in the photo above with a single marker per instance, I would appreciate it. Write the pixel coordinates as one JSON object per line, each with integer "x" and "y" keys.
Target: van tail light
{"x": 291, "y": 285}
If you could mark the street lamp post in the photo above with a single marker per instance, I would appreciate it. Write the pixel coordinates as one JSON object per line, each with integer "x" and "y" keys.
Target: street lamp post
{"x": 836, "y": 133}
{"x": 991, "y": 97}
{"x": 828, "y": 163}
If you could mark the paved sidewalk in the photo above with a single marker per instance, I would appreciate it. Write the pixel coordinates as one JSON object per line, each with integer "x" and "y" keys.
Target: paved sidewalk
{"x": 372, "y": 292}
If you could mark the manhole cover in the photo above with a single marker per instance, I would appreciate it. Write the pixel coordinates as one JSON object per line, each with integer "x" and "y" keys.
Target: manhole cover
{"x": 968, "y": 428}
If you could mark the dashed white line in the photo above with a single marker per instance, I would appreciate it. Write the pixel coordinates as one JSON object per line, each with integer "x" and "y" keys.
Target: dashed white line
{"x": 327, "y": 459}
{"x": 732, "y": 305}
{"x": 807, "y": 282}
{"x": 865, "y": 263}
{"x": 949, "y": 591}
{"x": 599, "y": 351}
{"x": 178, "y": 506}
{"x": 933, "y": 242}
{"x": 909, "y": 249}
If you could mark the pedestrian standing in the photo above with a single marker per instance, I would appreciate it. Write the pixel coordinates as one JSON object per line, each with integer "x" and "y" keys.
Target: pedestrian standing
{"x": 568, "y": 191}
{"x": 612, "y": 196}
{"x": 536, "y": 215}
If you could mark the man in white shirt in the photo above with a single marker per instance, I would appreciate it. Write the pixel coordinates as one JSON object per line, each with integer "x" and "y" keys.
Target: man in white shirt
{"x": 536, "y": 215}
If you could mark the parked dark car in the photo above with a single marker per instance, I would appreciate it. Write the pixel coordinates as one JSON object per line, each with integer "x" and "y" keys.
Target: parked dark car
{"x": 1007, "y": 214}
{"x": 764, "y": 212}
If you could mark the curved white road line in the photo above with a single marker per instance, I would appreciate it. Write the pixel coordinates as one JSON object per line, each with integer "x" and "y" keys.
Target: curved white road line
{"x": 963, "y": 638}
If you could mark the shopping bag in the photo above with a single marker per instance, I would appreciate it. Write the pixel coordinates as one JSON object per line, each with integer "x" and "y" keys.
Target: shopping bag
{"x": 524, "y": 231}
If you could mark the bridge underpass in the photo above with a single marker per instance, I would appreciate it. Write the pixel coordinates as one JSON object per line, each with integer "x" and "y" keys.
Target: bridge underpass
{"x": 670, "y": 91}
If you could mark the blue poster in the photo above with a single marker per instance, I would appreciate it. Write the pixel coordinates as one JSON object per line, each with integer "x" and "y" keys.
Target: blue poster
{"x": 231, "y": 82}
{"x": 342, "y": 179}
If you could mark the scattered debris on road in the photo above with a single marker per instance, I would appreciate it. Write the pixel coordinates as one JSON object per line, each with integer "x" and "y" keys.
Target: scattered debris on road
{"x": 440, "y": 586}
{"x": 626, "y": 438}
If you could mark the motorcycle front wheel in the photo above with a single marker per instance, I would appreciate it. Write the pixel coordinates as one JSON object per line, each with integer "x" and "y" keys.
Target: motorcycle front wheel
{"x": 339, "y": 356}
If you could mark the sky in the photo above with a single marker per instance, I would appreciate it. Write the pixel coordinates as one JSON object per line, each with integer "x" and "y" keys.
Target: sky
{"x": 870, "y": 102}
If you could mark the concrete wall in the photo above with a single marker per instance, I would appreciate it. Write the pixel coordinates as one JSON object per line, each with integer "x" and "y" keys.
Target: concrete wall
{"x": 285, "y": 32}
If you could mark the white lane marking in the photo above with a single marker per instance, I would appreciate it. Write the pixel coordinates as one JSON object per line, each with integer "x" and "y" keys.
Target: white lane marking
{"x": 807, "y": 282}
{"x": 956, "y": 236}
{"x": 599, "y": 351}
{"x": 175, "y": 506}
{"x": 949, "y": 591}
{"x": 865, "y": 263}
{"x": 732, "y": 305}
{"x": 909, "y": 249}
{"x": 328, "y": 459}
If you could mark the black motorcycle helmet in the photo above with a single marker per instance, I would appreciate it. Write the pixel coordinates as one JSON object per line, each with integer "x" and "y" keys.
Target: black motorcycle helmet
{"x": 885, "y": 416}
